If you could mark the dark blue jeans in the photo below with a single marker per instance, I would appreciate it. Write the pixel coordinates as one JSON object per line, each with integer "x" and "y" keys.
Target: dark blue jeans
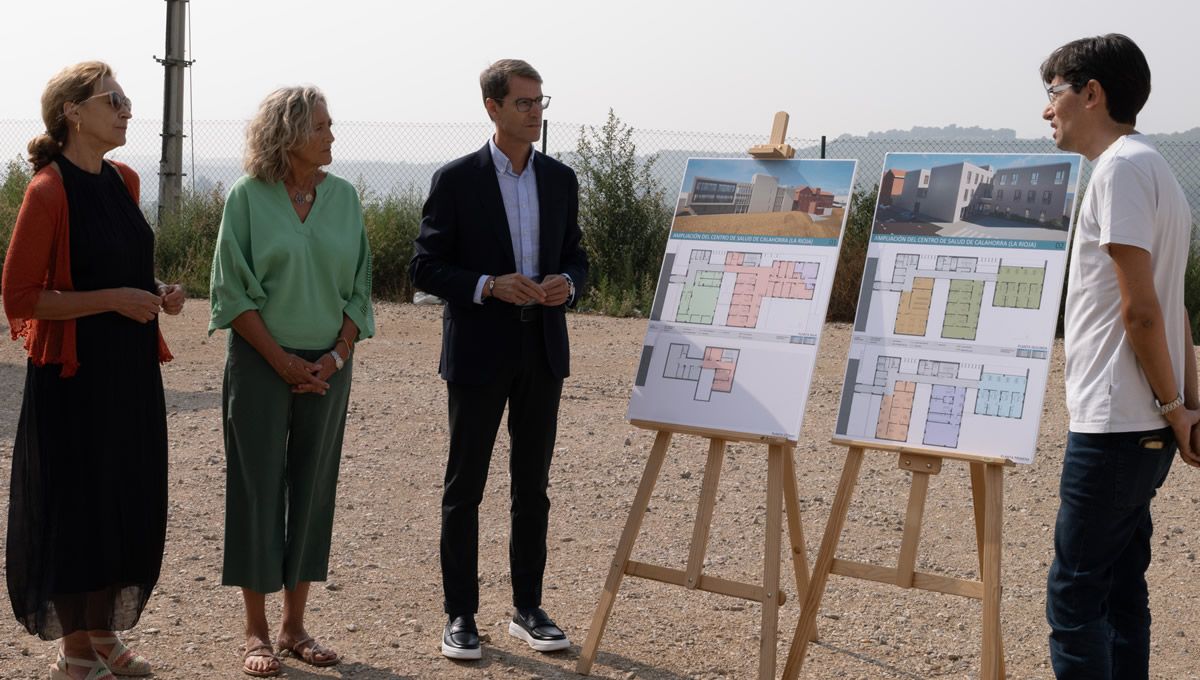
{"x": 1096, "y": 598}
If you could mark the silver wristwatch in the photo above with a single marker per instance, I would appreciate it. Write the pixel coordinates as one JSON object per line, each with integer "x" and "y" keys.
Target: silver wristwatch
{"x": 570, "y": 288}
{"x": 337, "y": 359}
{"x": 1164, "y": 409}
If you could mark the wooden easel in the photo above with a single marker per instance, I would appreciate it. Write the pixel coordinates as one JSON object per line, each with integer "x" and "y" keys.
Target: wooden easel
{"x": 781, "y": 491}
{"x": 987, "y": 491}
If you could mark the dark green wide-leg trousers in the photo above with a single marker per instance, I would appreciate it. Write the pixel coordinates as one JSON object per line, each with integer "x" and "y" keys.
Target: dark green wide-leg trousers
{"x": 282, "y": 452}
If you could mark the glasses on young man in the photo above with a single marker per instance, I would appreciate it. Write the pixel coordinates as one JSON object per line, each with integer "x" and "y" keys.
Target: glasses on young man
{"x": 116, "y": 100}
{"x": 524, "y": 104}
{"x": 1054, "y": 90}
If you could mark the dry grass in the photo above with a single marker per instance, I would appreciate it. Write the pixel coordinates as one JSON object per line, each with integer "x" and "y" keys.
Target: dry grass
{"x": 795, "y": 224}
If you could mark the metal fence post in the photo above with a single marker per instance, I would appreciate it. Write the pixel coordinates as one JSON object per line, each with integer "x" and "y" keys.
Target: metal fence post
{"x": 170, "y": 173}
{"x": 822, "y": 146}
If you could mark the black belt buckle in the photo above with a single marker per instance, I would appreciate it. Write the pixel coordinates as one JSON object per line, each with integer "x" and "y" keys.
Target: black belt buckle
{"x": 529, "y": 313}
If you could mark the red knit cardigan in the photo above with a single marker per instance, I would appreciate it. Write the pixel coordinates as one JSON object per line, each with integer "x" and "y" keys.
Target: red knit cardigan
{"x": 38, "y": 259}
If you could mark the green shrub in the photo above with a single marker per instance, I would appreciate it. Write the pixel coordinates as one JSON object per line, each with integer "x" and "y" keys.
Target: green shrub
{"x": 185, "y": 241}
{"x": 1191, "y": 287}
{"x": 183, "y": 246}
{"x": 12, "y": 192}
{"x": 392, "y": 222}
{"x": 625, "y": 219}
{"x": 843, "y": 300}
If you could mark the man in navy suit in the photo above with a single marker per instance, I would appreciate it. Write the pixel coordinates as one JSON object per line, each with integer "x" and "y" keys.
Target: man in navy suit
{"x": 500, "y": 243}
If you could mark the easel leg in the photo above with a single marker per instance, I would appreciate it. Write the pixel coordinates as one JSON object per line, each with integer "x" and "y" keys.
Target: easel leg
{"x": 807, "y": 625}
{"x": 987, "y": 490}
{"x": 616, "y": 571}
{"x": 791, "y": 500}
{"x": 913, "y": 517}
{"x": 704, "y": 513}
{"x": 768, "y": 638}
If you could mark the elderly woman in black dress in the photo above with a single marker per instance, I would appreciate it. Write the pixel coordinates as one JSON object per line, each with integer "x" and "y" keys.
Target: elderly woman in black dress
{"x": 88, "y": 499}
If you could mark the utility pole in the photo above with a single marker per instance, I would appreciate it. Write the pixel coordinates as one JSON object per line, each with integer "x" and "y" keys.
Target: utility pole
{"x": 170, "y": 167}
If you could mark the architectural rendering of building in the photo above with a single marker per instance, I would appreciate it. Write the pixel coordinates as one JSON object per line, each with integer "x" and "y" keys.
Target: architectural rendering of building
{"x": 721, "y": 196}
{"x": 891, "y": 187}
{"x": 949, "y": 193}
{"x": 1036, "y": 193}
{"x": 943, "y": 193}
{"x": 763, "y": 193}
{"x": 813, "y": 201}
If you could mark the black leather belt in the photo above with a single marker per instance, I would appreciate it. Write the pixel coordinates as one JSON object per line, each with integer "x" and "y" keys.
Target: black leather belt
{"x": 527, "y": 313}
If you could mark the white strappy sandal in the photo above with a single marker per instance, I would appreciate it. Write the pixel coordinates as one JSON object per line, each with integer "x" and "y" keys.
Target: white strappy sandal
{"x": 58, "y": 669}
{"x": 121, "y": 660}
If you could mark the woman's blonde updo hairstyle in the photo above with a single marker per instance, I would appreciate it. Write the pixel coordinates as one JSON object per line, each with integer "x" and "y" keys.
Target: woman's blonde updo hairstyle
{"x": 283, "y": 122}
{"x": 72, "y": 84}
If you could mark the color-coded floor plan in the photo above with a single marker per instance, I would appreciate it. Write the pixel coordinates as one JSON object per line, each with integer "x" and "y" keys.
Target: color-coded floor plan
{"x": 897, "y": 385}
{"x": 730, "y": 290}
{"x": 966, "y": 280}
{"x": 712, "y": 371}
{"x": 741, "y": 297}
{"x": 1019, "y": 287}
{"x": 953, "y": 333}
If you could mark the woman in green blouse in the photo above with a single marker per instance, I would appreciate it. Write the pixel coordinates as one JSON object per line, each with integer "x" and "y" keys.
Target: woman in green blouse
{"x": 292, "y": 277}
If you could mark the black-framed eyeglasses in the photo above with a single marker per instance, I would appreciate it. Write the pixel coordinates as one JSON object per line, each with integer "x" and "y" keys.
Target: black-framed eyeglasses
{"x": 524, "y": 104}
{"x": 1054, "y": 90}
{"x": 116, "y": 100}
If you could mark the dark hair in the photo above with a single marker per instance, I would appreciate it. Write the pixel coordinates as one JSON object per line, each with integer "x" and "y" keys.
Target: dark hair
{"x": 72, "y": 84}
{"x": 494, "y": 79}
{"x": 1112, "y": 60}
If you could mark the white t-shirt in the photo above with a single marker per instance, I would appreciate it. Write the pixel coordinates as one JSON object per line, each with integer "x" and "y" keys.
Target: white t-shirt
{"x": 1133, "y": 199}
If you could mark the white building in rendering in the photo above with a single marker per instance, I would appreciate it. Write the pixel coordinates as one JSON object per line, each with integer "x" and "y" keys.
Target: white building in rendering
{"x": 949, "y": 193}
{"x": 762, "y": 193}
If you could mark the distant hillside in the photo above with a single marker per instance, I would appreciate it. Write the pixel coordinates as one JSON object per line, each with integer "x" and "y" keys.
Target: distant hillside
{"x": 954, "y": 132}
{"x": 1192, "y": 135}
{"x": 951, "y": 131}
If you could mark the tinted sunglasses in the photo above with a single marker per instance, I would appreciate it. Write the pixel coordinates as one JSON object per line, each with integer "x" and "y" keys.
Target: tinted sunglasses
{"x": 116, "y": 100}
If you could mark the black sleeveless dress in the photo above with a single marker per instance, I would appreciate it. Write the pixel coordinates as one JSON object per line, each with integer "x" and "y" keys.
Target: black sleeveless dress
{"x": 88, "y": 501}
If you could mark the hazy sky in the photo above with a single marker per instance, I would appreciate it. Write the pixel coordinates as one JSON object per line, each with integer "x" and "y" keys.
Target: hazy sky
{"x": 848, "y": 66}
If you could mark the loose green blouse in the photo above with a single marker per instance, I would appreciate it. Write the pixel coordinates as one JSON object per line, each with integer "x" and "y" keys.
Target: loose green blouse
{"x": 300, "y": 276}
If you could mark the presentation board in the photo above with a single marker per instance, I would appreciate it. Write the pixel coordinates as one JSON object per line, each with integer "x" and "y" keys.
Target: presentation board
{"x": 742, "y": 295}
{"x": 959, "y": 302}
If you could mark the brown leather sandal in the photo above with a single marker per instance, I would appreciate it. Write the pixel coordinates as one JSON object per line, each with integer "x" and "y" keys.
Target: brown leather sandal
{"x": 307, "y": 650}
{"x": 261, "y": 651}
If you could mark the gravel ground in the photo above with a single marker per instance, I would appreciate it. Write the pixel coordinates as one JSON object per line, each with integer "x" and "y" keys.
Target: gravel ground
{"x": 382, "y": 605}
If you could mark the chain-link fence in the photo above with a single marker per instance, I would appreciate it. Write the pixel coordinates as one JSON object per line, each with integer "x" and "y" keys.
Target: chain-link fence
{"x": 401, "y": 157}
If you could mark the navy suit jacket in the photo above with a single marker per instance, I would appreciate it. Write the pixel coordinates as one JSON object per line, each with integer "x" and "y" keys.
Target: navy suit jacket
{"x": 464, "y": 235}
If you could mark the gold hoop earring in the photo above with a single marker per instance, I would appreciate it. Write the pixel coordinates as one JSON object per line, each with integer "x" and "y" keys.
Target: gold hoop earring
{"x": 77, "y": 126}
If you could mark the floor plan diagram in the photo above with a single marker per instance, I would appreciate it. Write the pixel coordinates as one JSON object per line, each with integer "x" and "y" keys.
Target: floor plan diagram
{"x": 712, "y": 371}
{"x": 953, "y": 334}
{"x": 729, "y": 288}
{"x": 943, "y": 390}
{"x": 741, "y": 297}
{"x": 965, "y": 280}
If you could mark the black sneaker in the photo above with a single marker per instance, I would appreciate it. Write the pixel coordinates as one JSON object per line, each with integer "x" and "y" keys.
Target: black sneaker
{"x": 538, "y": 630}
{"x": 460, "y": 638}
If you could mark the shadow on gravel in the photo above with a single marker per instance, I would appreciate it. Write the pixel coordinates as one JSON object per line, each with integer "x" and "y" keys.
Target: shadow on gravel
{"x": 191, "y": 401}
{"x": 534, "y": 667}
{"x": 346, "y": 669}
{"x": 624, "y": 663}
{"x": 12, "y": 376}
{"x": 897, "y": 672}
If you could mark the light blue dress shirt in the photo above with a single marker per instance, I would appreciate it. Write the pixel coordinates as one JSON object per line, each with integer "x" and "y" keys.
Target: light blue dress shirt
{"x": 519, "y": 193}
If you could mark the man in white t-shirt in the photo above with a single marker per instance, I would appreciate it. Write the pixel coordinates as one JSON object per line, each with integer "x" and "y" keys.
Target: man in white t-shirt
{"x": 1130, "y": 374}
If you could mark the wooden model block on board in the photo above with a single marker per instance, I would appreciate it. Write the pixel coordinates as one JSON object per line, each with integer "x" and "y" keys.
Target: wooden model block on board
{"x": 776, "y": 149}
